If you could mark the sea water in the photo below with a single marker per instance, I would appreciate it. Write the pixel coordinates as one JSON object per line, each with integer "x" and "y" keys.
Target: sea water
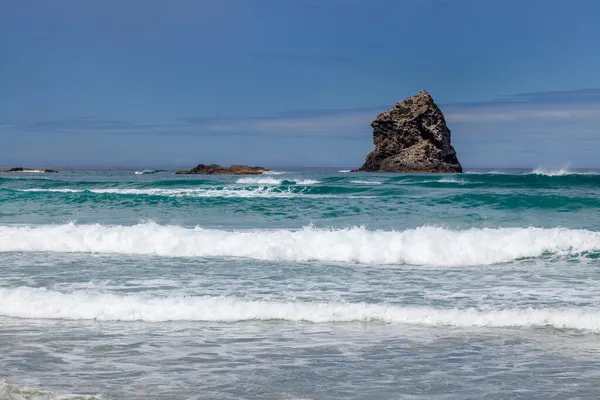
{"x": 300, "y": 284}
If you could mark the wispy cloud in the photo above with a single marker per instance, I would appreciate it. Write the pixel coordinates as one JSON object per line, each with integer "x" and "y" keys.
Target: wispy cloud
{"x": 547, "y": 129}
{"x": 569, "y": 105}
{"x": 527, "y": 111}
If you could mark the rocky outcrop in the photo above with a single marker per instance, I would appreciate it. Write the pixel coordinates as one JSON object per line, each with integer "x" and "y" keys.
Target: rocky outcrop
{"x": 22, "y": 169}
{"x": 215, "y": 169}
{"x": 412, "y": 136}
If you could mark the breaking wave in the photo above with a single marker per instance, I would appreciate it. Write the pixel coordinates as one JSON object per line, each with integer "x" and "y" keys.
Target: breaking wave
{"x": 560, "y": 172}
{"x": 261, "y": 191}
{"x": 361, "y": 182}
{"x": 429, "y": 246}
{"x": 259, "y": 181}
{"x": 41, "y": 303}
{"x": 273, "y": 181}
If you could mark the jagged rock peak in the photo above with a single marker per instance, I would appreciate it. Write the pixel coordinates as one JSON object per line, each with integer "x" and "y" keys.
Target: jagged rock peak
{"x": 412, "y": 136}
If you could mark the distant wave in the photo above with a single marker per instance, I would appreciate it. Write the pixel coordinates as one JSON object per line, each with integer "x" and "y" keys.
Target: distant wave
{"x": 363, "y": 182}
{"x": 273, "y": 181}
{"x": 29, "y": 171}
{"x": 345, "y": 170}
{"x": 421, "y": 246}
{"x": 560, "y": 172}
{"x": 263, "y": 191}
{"x": 453, "y": 180}
{"x": 39, "y": 303}
{"x": 259, "y": 181}
{"x": 275, "y": 172}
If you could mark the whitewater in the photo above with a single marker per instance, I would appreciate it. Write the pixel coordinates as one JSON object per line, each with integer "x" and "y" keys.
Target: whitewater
{"x": 299, "y": 283}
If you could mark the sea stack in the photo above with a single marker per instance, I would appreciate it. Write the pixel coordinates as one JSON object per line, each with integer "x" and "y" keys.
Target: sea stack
{"x": 412, "y": 136}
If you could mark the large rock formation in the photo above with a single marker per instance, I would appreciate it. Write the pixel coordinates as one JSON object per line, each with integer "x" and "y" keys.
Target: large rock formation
{"x": 217, "y": 169}
{"x": 412, "y": 136}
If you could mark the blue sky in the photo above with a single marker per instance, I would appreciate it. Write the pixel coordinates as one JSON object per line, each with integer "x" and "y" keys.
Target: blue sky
{"x": 294, "y": 82}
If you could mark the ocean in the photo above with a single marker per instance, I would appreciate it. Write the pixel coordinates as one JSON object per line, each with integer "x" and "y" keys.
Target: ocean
{"x": 300, "y": 284}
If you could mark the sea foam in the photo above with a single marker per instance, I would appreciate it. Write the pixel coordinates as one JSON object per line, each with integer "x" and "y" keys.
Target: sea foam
{"x": 41, "y": 303}
{"x": 259, "y": 181}
{"x": 14, "y": 392}
{"x": 261, "y": 191}
{"x": 561, "y": 172}
{"x": 363, "y": 182}
{"x": 273, "y": 181}
{"x": 422, "y": 246}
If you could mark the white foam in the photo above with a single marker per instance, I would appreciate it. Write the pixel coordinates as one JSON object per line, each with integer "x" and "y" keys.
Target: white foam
{"x": 259, "y": 181}
{"x": 273, "y": 181}
{"x": 261, "y": 191}
{"x": 144, "y": 172}
{"x": 456, "y": 181}
{"x": 275, "y": 172}
{"x": 345, "y": 170}
{"x": 361, "y": 182}
{"x": 560, "y": 172}
{"x": 14, "y": 392}
{"x": 421, "y": 246}
{"x": 40, "y": 303}
{"x": 551, "y": 172}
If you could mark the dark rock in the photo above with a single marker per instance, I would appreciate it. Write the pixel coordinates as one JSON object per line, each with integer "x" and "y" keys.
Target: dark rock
{"x": 412, "y": 136}
{"x": 22, "y": 169}
{"x": 217, "y": 169}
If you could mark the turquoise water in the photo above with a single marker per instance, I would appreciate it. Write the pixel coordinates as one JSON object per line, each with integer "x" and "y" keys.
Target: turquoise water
{"x": 300, "y": 284}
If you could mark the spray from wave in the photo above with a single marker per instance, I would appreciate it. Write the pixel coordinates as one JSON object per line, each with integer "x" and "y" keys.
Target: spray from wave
{"x": 560, "y": 172}
{"x": 422, "y": 246}
{"x": 552, "y": 172}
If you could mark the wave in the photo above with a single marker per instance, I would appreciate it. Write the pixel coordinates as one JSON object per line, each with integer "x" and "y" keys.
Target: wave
{"x": 273, "y": 181}
{"x": 41, "y": 303}
{"x": 361, "y": 182}
{"x": 552, "y": 172}
{"x": 259, "y": 181}
{"x": 263, "y": 191}
{"x": 429, "y": 246}
{"x": 457, "y": 181}
{"x": 561, "y": 172}
{"x": 30, "y": 171}
{"x": 275, "y": 172}
{"x": 345, "y": 170}
{"x": 14, "y": 392}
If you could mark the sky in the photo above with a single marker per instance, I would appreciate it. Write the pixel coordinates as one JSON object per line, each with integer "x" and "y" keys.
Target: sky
{"x": 294, "y": 82}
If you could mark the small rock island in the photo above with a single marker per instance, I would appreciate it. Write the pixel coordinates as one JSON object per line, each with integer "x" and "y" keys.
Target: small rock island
{"x": 412, "y": 136}
{"x": 23, "y": 169}
{"x": 215, "y": 169}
